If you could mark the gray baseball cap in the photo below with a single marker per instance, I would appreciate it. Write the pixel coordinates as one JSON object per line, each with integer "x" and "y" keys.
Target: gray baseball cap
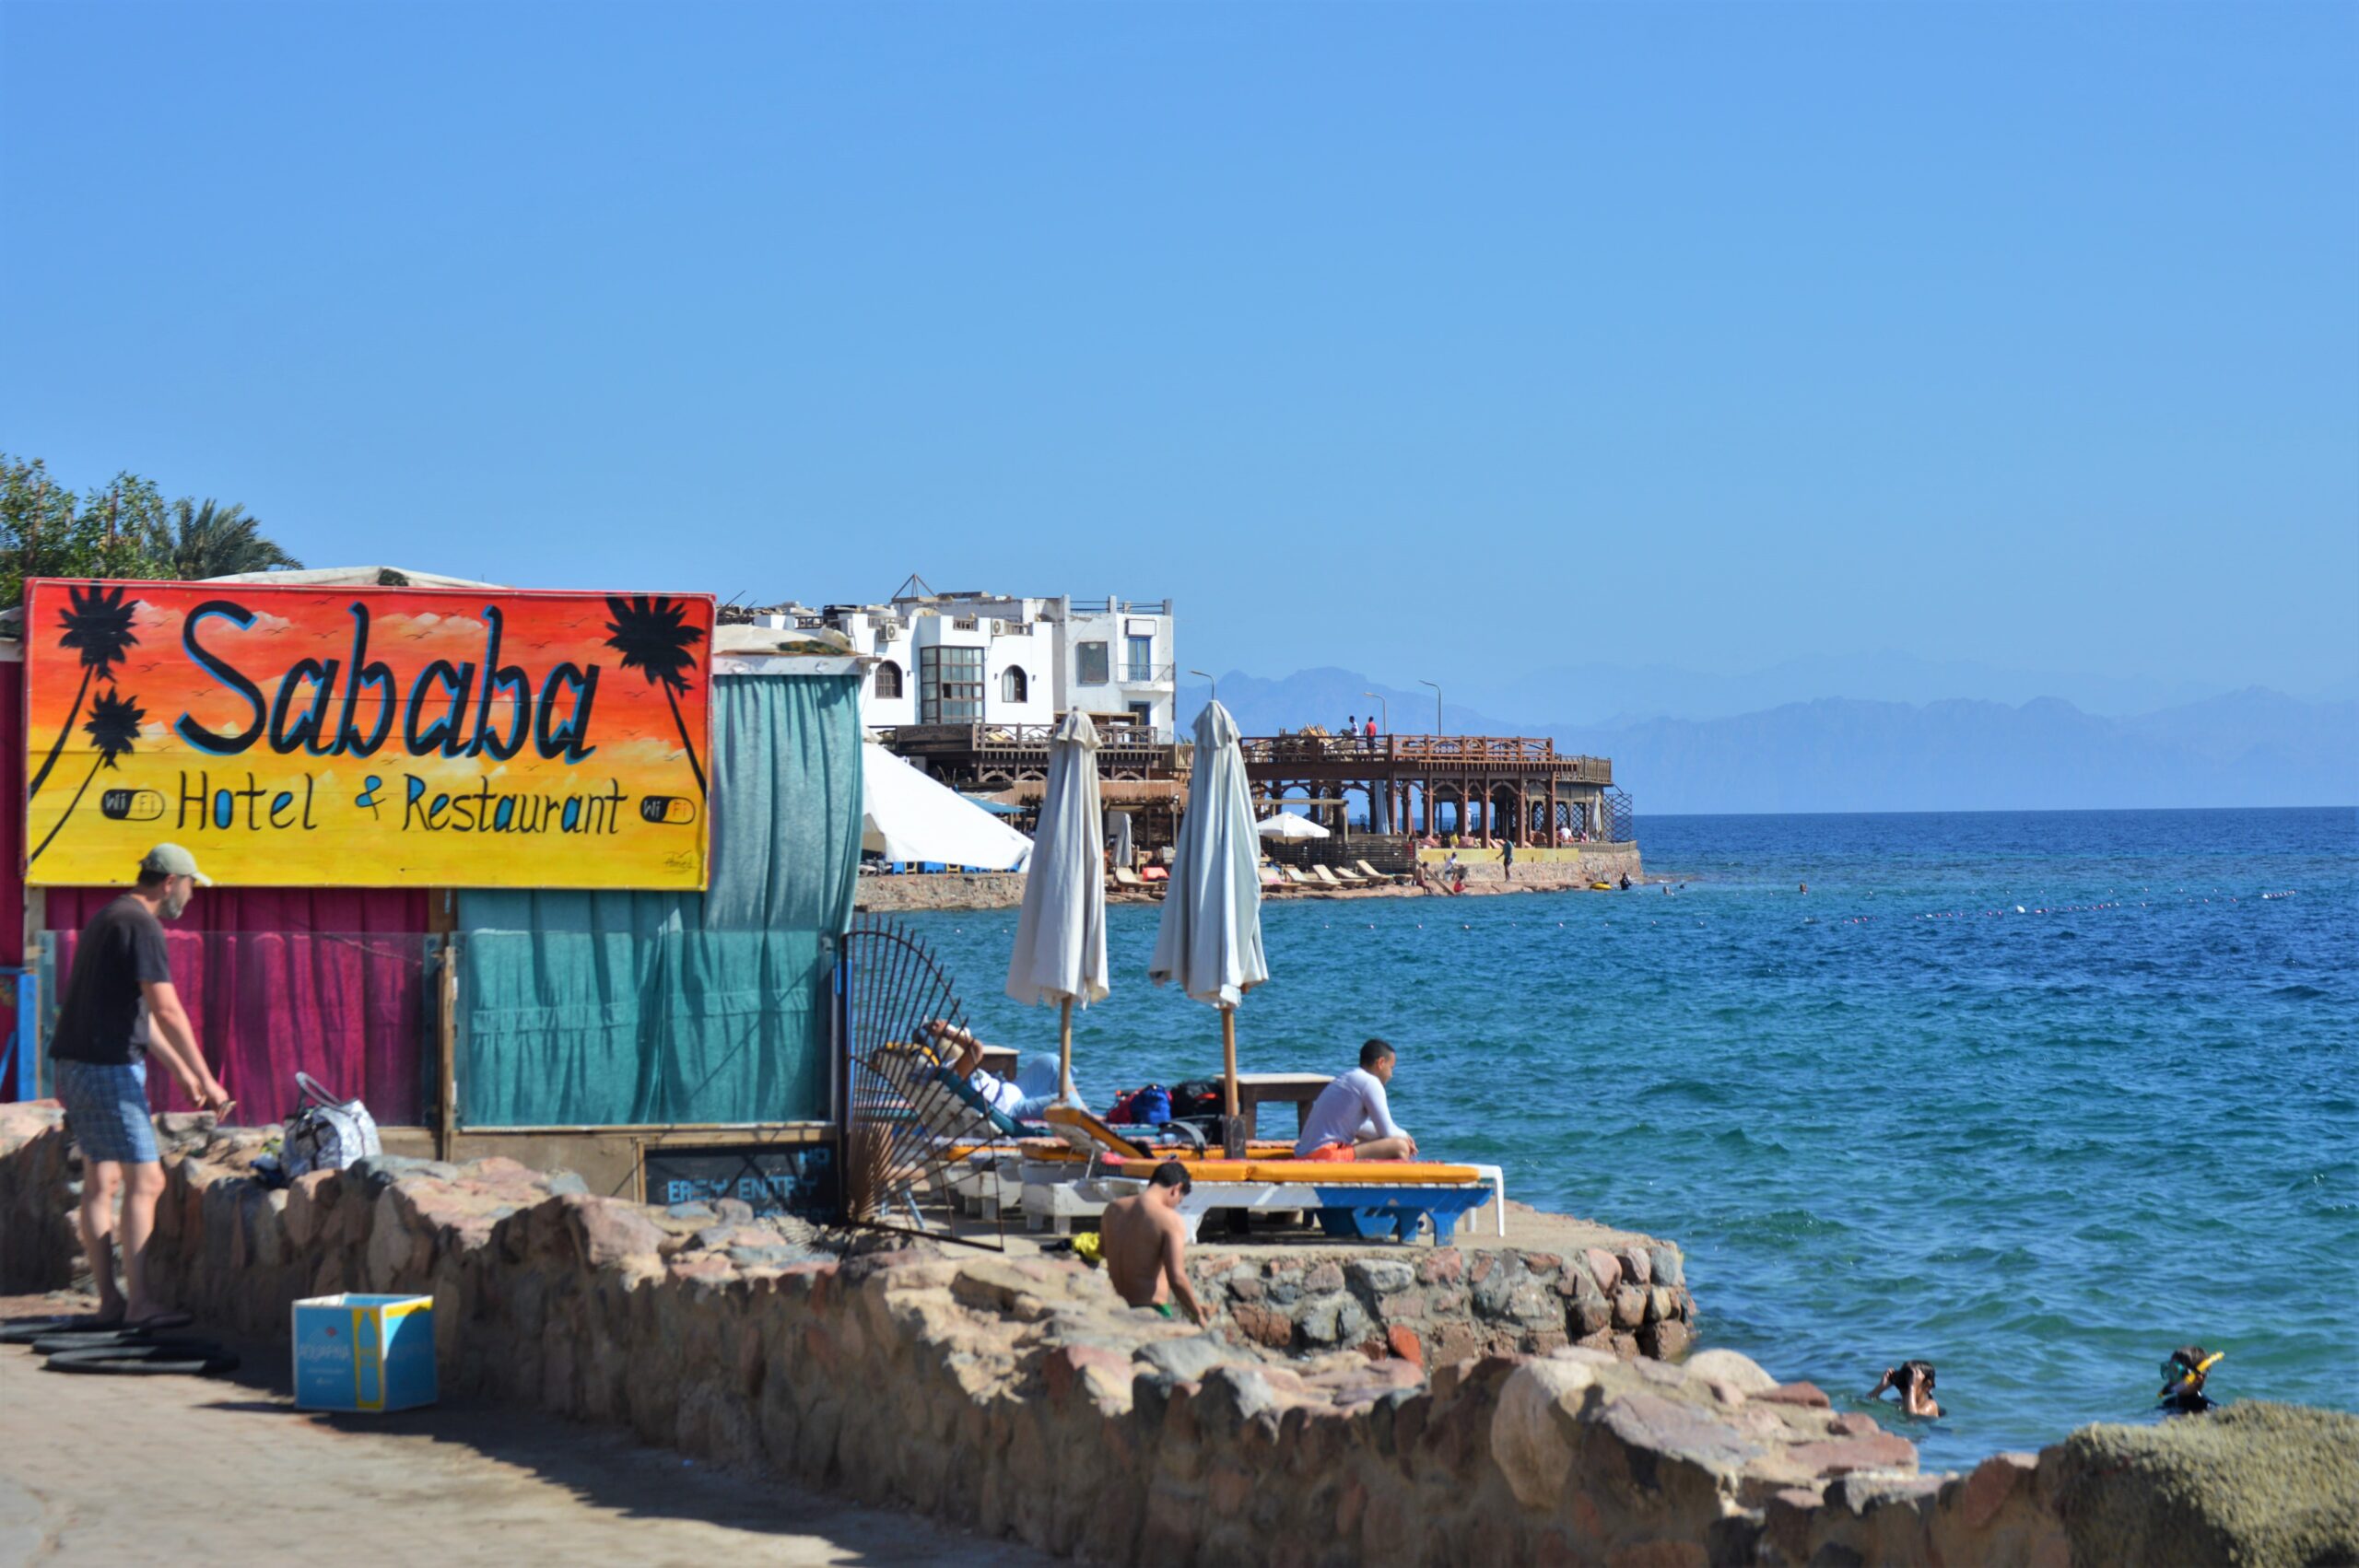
{"x": 171, "y": 859}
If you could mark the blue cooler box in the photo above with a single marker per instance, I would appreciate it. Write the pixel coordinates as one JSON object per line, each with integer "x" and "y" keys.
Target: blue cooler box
{"x": 364, "y": 1353}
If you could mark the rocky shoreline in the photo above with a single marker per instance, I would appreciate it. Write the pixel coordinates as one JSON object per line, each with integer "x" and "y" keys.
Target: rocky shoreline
{"x": 1017, "y": 1396}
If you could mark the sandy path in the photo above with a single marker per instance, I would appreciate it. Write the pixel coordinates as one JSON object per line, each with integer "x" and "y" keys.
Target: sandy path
{"x": 226, "y": 1468}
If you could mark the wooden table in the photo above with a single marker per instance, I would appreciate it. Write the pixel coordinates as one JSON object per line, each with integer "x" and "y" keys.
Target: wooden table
{"x": 1255, "y": 1089}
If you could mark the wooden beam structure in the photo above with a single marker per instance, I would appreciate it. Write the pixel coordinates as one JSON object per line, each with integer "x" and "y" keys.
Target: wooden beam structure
{"x": 1517, "y": 786}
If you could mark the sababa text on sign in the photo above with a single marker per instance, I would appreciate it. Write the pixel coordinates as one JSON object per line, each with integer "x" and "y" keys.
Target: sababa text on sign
{"x": 452, "y": 710}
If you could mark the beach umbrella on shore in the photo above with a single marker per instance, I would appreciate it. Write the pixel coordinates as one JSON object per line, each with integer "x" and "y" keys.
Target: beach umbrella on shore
{"x": 1210, "y": 941}
{"x": 1286, "y": 825}
{"x": 1060, "y": 936}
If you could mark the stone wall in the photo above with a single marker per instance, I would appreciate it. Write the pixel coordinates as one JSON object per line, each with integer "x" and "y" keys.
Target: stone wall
{"x": 1434, "y": 1306}
{"x": 1576, "y": 867}
{"x": 1021, "y": 1398}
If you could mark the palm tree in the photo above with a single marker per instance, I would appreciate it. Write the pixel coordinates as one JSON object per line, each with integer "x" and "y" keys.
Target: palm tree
{"x": 98, "y": 627}
{"x": 114, "y": 729}
{"x": 215, "y": 540}
{"x": 653, "y": 637}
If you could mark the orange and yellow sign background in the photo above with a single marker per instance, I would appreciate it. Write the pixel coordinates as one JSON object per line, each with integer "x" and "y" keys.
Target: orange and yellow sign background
{"x": 604, "y": 788}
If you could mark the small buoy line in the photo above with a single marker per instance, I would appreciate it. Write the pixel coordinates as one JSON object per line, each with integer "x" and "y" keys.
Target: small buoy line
{"x": 2069, "y": 908}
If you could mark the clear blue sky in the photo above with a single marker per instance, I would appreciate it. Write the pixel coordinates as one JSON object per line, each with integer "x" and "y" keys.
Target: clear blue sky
{"x": 1410, "y": 339}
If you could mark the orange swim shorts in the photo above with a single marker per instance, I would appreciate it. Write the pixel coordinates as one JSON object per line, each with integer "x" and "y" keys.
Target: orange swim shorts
{"x": 1334, "y": 1154}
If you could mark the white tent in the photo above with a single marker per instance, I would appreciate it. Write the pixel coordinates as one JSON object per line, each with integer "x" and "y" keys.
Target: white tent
{"x": 907, "y": 816}
{"x": 1285, "y": 825}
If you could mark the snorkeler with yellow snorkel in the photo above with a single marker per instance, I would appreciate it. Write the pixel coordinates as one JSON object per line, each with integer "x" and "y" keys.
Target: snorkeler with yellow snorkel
{"x": 2183, "y": 1378}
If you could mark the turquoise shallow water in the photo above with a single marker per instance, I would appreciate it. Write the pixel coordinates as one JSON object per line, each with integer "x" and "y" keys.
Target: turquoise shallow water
{"x": 1892, "y": 1117}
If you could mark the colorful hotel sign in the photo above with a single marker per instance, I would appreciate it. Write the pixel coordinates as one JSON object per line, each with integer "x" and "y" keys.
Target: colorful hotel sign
{"x": 371, "y": 737}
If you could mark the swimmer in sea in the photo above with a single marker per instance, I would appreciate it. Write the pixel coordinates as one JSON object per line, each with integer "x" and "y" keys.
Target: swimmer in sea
{"x": 1913, "y": 1381}
{"x": 2183, "y": 1378}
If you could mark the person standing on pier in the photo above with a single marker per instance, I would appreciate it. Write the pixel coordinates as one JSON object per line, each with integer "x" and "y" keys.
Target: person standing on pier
{"x": 1352, "y": 1120}
{"x": 1507, "y": 856}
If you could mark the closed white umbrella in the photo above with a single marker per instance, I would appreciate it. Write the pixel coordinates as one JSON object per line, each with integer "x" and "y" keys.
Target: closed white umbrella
{"x": 1210, "y": 942}
{"x": 907, "y": 816}
{"x": 1285, "y": 825}
{"x": 1060, "y": 936}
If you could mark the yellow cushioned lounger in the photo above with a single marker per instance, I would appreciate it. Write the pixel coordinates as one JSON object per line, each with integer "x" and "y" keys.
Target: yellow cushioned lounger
{"x": 1322, "y": 1173}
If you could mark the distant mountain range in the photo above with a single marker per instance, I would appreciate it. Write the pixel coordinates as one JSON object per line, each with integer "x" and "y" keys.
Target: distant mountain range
{"x": 2250, "y": 748}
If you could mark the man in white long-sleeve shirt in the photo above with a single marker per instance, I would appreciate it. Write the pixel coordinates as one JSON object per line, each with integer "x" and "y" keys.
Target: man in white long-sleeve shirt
{"x": 1352, "y": 1120}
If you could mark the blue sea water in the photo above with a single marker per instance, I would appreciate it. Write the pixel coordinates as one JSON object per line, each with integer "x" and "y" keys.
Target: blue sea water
{"x": 2036, "y": 1096}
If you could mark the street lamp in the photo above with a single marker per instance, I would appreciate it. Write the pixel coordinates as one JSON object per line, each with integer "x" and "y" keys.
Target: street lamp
{"x": 1387, "y": 710}
{"x": 1436, "y": 685}
{"x": 1216, "y": 684}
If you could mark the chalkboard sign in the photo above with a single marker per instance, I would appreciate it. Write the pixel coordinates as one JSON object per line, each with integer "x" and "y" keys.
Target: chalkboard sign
{"x": 776, "y": 1179}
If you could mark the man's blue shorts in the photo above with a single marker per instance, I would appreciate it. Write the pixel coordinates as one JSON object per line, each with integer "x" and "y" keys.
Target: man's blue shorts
{"x": 106, "y": 1109}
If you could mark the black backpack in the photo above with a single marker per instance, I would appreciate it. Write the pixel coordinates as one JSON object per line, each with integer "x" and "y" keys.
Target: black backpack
{"x": 1197, "y": 1098}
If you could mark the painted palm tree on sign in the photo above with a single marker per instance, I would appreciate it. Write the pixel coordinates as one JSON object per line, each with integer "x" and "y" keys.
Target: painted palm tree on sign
{"x": 97, "y": 622}
{"x": 113, "y": 730}
{"x": 654, "y": 639}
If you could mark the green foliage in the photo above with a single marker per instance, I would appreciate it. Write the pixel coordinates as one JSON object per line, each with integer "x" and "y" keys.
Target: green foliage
{"x": 216, "y": 541}
{"x": 121, "y": 530}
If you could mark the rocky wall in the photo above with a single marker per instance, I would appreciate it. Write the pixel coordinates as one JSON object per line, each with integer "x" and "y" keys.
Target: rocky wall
{"x": 1020, "y": 1397}
{"x": 1434, "y": 1306}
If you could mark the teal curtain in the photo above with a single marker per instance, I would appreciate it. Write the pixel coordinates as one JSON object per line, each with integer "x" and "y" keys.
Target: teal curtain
{"x": 629, "y": 1008}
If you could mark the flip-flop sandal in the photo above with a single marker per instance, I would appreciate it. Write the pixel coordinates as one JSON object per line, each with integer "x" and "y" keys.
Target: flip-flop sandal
{"x": 157, "y": 1322}
{"x": 120, "y": 1334}
{"x": 203, "y": 1360}
{"x": 25, "y": 1330}
{"x": 56, "y": 1344}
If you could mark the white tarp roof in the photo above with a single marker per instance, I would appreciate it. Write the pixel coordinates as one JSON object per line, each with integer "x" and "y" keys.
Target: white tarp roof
{"x": 907, "y": 816}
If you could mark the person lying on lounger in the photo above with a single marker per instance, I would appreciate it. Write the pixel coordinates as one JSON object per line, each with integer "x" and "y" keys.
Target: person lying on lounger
{"x": 1143, "y": 1244}
{"x": 1352, "y": 1120}
{"x": 1024, "y": 1097}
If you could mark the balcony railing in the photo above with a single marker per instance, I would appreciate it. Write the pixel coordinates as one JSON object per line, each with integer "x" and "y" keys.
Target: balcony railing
{"x": 934, "y": 738}
{"x": 1147, "y": 674}
{"x": 1444, "y": 753}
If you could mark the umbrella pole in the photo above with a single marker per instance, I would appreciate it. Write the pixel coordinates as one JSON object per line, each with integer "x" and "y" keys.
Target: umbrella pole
{"x": 1232, "y": 1125}
{"x": 1064, "y": 1049}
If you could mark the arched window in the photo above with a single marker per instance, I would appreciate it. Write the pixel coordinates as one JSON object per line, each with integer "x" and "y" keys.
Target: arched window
{"x": 888, "y": 679}
{"x": 1013, "y": 687}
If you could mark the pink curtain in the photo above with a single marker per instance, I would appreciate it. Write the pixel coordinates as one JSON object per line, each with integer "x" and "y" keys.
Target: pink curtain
{"x": 328, "y": 982}
{"x": 12, "y": 850}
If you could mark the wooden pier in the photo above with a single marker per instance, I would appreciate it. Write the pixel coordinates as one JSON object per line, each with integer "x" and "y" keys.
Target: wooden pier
{"x": 1517, "y": 786}
{"x": 1513, "y": 786}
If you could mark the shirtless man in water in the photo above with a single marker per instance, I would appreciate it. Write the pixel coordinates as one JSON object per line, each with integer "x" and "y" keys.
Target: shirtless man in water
{"x": 1144, "y": 1247}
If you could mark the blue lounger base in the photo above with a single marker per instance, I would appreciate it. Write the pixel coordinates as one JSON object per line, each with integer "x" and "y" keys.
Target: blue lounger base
{"x": 1348, "y": 1214}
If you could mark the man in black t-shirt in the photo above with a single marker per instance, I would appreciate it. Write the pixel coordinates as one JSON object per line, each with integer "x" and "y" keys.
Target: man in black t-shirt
{"x": 118, "y": 1006}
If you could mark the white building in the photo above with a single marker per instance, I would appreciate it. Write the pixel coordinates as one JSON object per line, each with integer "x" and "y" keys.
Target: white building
{"x": 990, "y": 660}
